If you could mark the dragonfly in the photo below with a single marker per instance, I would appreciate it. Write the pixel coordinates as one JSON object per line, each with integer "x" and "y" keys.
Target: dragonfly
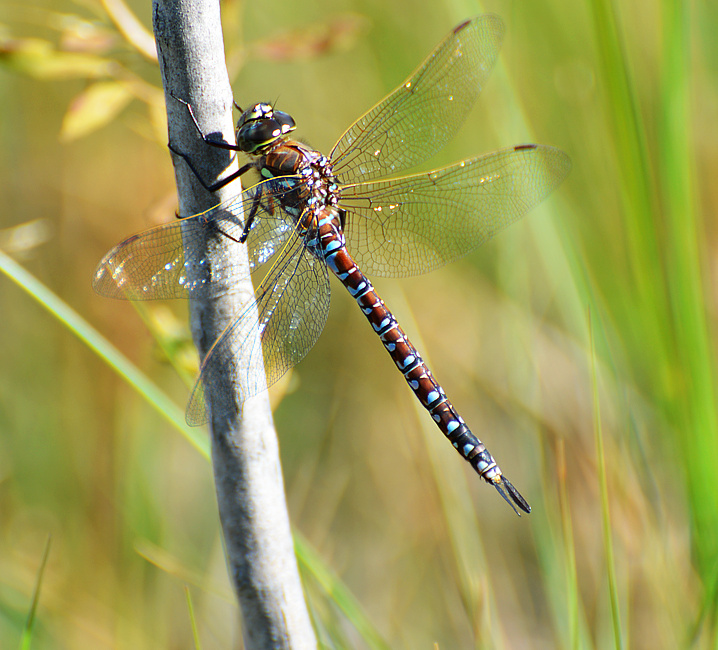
{"x": 311, "y": 215}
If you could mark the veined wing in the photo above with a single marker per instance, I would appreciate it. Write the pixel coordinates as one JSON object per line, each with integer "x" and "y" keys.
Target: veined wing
{"x": 152, "y": 264}
{"x": 290, "y": 309}
{"x": 411, "y": 225}
{"x": 426, "y": 111}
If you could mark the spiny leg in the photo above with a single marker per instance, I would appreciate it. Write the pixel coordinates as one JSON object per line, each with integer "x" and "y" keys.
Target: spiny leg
{"x": 210, "y": 187}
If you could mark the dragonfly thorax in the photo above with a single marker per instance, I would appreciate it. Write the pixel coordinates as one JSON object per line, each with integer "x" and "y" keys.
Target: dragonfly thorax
{"x": 310, "y": 182}
{"x": 319, "y": 180}
{"x": 261, "y": 127}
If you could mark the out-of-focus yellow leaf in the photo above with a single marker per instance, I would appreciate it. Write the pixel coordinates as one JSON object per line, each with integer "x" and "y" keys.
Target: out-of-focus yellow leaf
{"x": 39, "y": 58}
{"x": 131, "y": 28}
{"x": 339, "y": 33}
{"x": 94, "y": 107}
{"x": 79, "y": 35}
{"x": 23, "y": 239}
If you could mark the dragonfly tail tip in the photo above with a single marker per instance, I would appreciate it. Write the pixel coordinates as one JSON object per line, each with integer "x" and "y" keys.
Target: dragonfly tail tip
{"x": 511, "y": 495}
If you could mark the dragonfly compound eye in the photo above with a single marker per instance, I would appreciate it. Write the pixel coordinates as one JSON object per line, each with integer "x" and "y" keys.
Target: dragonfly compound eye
{"x": 258, "y": 135}
{"x": 285, "y": 121}
{"x": 261, "y": 126}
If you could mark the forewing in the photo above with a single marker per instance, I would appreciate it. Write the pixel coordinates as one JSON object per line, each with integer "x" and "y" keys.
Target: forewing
{"x": 289, "y": 310}
{"x": 417, "y": 223}
{"x": 426, "y": 111}
{"x": 152, "y": 264}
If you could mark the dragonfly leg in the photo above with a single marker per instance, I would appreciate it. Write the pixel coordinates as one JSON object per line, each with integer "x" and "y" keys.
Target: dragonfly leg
{"x": 210, "y": 141}
{"x": 269, "y": 206}
{"x": 211, "y": 187}
{"x": 250, "y": 217}
{"x": 256, "y": 204}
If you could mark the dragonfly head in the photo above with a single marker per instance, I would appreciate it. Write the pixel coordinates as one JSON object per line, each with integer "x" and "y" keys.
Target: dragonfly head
{"x": 260, "y": 126}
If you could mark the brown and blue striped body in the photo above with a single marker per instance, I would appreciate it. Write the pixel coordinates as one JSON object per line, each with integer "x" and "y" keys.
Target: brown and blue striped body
{"x": 314, "y": 205}
{"x": 428, "y": 391}
{"x": 300, "y": 222}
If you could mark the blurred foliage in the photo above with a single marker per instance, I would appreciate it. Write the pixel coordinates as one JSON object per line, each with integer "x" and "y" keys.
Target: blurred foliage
{"x": 612, "y": 437}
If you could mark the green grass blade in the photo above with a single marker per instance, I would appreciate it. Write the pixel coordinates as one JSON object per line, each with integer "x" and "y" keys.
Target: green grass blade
{"x": 605, "y": 512}
{"x": 573, "y": 597}
{"x": 696, "y": 386}
{"x": 193, "y": 620}
{"x": 86, "y": 333}
{"x": 633, "y": 165}
{"x": 104, "y": 349}
{"x": 27, "y": 632}
{"x": 338, "y": 592}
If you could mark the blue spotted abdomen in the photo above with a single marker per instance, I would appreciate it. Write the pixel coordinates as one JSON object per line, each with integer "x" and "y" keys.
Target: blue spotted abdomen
{"x": 407, "y": 359}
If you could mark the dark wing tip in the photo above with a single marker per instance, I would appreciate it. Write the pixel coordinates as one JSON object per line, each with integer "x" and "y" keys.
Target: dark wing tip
{"x": 461, "y": 26}
{"x": 497, "y": 25}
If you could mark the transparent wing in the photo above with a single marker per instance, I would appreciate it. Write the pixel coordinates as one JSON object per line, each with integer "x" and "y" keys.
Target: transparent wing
{"x": 290, "y": 310}
{"x": 425, "y": 112}
{"x": 152, "y": 264}
{"x": 411, "y": 225}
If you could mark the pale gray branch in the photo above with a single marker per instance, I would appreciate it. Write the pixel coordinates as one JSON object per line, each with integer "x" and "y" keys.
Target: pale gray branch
{"x": 248, "y": 478}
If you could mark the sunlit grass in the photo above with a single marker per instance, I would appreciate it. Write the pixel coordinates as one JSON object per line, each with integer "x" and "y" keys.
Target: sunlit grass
{"x": 401, "y": 545}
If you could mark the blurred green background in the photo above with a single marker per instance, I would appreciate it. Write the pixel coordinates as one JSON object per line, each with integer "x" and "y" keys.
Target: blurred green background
{"x": 577, "y": 345}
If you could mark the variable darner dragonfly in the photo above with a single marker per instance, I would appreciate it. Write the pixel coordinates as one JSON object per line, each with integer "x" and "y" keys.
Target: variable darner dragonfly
{"x": 311, "y": 214}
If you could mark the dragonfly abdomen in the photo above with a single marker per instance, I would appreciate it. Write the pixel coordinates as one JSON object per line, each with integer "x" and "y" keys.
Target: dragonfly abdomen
{"x": 427, "y": 390}
{"x": 409, "y": 362}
